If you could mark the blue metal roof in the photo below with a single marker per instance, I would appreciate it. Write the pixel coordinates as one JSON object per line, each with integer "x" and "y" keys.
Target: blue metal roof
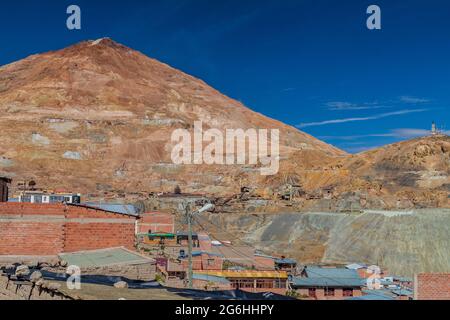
{"x": 379, "y": 292}
{"x": 328, "y": 277}
{"x": 403, "y": 279}
{"x": 128, "y": 209}
{"x": 207, "y": 277}
{"x": 199, "y": 253}
{"x": 402, "y": 292}
{"x": 262, "y": 255}
{"x": 371, "y": 297}
{"x": 285, "y": 261}
{"x": 386, "y": 282}
{"x": 313, "y": 272}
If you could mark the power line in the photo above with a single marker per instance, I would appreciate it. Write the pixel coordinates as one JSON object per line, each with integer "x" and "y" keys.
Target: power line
{"x": 242, "y": 254}
{"x": 251, "y": 258}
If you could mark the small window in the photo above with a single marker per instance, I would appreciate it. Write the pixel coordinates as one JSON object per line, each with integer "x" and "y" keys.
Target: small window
{"x": 329, "y": 292}
{"x": 347, "y": 292}
{"x": 312, "y": 293}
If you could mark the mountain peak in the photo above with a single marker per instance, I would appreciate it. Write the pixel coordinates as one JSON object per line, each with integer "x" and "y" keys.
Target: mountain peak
{"x": 97, "y": 45}
{"x": 105, "y": 40}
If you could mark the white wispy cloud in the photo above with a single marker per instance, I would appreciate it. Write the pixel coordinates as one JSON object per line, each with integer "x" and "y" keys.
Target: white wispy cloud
{"x": 404, "y": 133}
{"x": 356, "y": 136}
{"x": 343, "y": 105}
{"x": 412, "y": 133}
{"x": 413, "y": 100}
{"x": 367, "y": 118}
{"x": 346, "y": 105}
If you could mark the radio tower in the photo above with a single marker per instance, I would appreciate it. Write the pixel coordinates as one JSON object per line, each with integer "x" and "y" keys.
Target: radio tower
{"x": 434, "y": 130}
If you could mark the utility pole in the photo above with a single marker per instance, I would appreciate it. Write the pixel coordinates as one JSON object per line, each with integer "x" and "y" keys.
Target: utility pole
{"x": 189, "y": 215}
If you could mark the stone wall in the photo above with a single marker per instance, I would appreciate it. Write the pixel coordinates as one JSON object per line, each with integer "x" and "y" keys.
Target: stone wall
{"x": 10, "y": 291}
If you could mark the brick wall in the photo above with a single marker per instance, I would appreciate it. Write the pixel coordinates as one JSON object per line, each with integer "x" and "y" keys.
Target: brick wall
{"x": 157, "y": 222}
{"x": 50, "y": 229}
{"x": 320, "y": 294}
{"x": 31, "y": 238}
{"x": 432, "y": 286}
{"x": 204, "y": 262}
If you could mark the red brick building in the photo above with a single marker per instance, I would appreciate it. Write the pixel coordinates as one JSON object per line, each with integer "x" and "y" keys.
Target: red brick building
{"x": 317, "y": 283}
{"x": 202, "y": 260}
{"x": 432, "y": 286}
{"x": 50, "y": 229}
{"x": 156, "y": 222}
{"x": 249, "y": 281}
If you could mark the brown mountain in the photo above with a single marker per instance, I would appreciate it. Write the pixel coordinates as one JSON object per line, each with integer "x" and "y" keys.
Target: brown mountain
{"x": 98, "y": 116}
{"x": 409, "y": 174}
{"x": 414, "y": 172}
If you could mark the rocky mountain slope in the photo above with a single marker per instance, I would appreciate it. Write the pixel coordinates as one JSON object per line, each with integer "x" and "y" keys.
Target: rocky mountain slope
{"x": 404, "y": 242}
{"x": 408, "y": 174}
{"x": 98, "y": 116}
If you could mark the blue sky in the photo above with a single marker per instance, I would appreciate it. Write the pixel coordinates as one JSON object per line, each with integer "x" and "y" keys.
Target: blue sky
{"x": 311, "y": 64}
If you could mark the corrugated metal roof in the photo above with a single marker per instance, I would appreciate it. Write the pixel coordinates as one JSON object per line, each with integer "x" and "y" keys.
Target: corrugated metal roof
{"x": 402, "y": 292}
{"x": 328, "y": 277}
{"x": 386, "y": 282}
{"x": 335, "y": 273}
{"x": 199, "y": 253}
{"x": 403, "y": 279}
{"x": 104, "y": 258}
{"x": 371, "y": 297}
{"x": 242, "y": 255}
{"x": 210, "y": 278}
{"x": 128, "y": 209}
{"x": 285, "y": 261}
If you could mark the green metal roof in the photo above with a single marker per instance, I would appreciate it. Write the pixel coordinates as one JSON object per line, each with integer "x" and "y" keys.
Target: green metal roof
{"x": 104, "y": 258}
{"x": 161, "y": 235}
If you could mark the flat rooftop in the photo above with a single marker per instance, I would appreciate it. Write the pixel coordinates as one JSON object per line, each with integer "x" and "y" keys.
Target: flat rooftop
{"x": 104, "y": 258}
